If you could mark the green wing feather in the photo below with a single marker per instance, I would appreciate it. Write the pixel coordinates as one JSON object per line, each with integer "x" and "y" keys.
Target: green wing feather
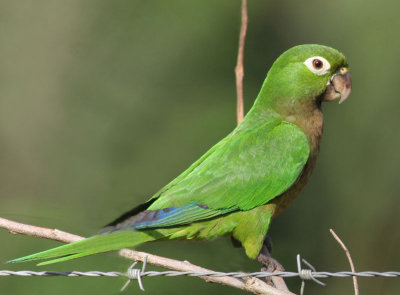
{"x": 243, "y": 171}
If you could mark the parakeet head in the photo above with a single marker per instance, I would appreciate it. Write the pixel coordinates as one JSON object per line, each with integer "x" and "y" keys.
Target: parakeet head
{"x": 304, "y": 76}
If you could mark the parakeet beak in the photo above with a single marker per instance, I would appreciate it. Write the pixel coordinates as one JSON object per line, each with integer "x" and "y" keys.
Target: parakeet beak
{"x": 339, "y": 86}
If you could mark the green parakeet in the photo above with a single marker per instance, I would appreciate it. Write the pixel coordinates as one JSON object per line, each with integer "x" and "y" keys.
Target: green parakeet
{"x": 248, "y": 177}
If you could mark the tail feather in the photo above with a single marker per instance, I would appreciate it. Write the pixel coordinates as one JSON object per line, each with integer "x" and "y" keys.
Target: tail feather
{"x": 64, "y": 258}
{"x": 92, "y": 245}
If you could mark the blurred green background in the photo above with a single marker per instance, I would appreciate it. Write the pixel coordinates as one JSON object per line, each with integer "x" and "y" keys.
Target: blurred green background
{"x": 104, "y": 102}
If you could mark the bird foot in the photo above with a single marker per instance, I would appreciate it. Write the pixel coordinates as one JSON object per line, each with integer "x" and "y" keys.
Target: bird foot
{"x": 236, "y": 243}
{"x": 269, "y": 264}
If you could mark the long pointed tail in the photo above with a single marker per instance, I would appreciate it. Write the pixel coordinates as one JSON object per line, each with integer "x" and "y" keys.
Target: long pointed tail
{"x": 92, "y": 245}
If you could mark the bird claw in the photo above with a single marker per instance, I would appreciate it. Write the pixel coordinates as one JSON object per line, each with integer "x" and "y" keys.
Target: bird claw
{"x": 236, "y": 243}
{"x": 269, "y": 264}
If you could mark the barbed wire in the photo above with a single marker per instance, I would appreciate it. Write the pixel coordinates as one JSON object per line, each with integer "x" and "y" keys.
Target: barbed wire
{"x": 172, "y": 273}
{"x": 136, "y": 274}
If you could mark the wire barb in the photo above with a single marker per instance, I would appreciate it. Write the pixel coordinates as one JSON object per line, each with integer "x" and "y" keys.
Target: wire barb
{"x": 306, "y": 274}
{"x": 135, "y": 274}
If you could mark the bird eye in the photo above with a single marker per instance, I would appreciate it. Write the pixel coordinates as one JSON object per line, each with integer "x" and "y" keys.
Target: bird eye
{"x": 318, "y": 65}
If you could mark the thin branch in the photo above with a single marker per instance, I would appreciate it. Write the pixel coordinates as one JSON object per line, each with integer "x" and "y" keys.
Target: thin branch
{"x": 40, "y": 232}
{"x": 279, "y": 283}
{"x": 252, "y": 285}
{"x": 355, "y": 282}
{"x": 239, "y": 70}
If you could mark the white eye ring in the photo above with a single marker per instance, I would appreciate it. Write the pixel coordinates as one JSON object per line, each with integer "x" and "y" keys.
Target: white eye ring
{"x": 313, "y": 64}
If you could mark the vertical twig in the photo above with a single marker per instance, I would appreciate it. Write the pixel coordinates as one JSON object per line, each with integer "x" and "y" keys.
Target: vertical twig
{"x": 278, "y": 282}
{"x": 239, "y": 70}
{"x": 355, "y": 282}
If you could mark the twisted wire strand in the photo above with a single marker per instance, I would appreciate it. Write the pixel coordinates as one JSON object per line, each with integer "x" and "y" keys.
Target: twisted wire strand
{"x": 172, "y": 273}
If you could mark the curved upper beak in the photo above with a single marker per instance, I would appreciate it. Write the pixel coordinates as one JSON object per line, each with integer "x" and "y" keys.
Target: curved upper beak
{"x": 339, "y": 86}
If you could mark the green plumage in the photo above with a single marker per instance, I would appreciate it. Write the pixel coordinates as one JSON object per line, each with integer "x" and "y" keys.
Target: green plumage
{"x": 240, "y": 183}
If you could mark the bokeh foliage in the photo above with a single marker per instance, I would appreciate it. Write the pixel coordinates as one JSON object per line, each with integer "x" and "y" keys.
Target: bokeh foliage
{"x": 104, "y": 102}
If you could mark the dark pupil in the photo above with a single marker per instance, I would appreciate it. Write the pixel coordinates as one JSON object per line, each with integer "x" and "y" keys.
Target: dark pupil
{"x": 317, "y": 63}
